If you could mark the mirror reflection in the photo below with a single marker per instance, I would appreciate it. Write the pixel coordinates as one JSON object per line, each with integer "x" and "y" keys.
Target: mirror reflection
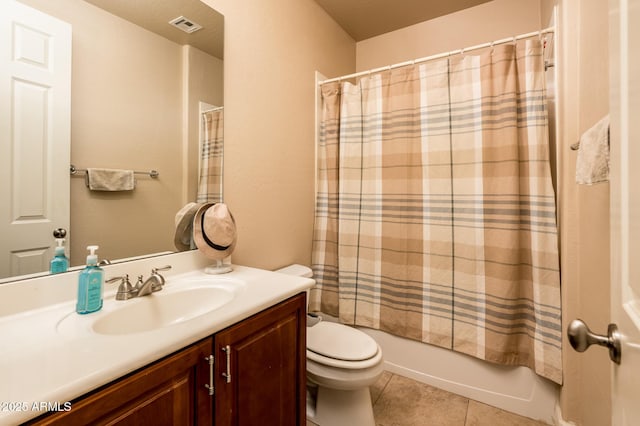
{"x": 144, "y": 95}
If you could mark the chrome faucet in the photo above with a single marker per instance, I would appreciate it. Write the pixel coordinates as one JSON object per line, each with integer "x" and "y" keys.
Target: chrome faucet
{"x": 142, "y": 288}
{"x": 153, "y": 283}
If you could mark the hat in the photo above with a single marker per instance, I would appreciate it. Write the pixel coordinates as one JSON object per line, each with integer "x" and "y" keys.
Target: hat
{"x": 184, "y": 226}
{"x": 214, "y": 230}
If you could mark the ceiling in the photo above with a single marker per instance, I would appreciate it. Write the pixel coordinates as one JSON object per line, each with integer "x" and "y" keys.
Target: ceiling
{"x": 154, "y": 16}
{"x": 361, "y": 19}
{"x": 364, "y": 19}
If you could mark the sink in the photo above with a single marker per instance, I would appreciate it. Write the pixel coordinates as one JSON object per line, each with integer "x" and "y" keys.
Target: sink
{"x": 156, "y": 310}
{"x": 177, "y": 303}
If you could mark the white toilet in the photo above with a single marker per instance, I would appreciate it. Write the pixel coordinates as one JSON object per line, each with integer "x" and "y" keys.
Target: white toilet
{"x": 342, "y": 362}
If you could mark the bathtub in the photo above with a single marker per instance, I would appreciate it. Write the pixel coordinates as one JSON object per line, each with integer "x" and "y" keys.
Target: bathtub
{"x": 514, "y": 389}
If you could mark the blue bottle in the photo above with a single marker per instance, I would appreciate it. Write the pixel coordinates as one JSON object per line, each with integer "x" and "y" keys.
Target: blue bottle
{"x": 90, "y": 284}
{"x": 60, "y": 262}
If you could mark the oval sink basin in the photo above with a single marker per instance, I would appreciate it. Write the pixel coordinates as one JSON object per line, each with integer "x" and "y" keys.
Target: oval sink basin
{"x": 156, "y": 310}
{"x": 173, "y": 305}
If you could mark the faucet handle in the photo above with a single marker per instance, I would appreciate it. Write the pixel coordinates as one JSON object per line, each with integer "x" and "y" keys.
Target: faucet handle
{"x": 125, "y": 289}
{"x": 115, "y": 279}
{"x": 157, "y": 285}
{"x": 138, "y": 283}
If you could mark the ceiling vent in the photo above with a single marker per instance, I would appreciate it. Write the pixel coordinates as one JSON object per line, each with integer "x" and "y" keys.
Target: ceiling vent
{"x": 185, "y": 24}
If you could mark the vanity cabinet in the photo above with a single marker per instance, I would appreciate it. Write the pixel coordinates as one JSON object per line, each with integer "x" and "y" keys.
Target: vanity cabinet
{"x": 259, "y": 377}
{"x": 261, "y": 368}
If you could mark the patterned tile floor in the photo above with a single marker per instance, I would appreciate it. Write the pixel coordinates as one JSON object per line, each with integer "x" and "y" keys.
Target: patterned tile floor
{"x": 399, "y": 401}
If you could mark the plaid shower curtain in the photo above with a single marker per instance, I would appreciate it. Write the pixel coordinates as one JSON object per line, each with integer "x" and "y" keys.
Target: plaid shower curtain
{"x": 210, "y": 181}
{"x": 435, "y": 213}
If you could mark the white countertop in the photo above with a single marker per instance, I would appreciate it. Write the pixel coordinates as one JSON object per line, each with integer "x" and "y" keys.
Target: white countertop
{"x": 39, "y": 364}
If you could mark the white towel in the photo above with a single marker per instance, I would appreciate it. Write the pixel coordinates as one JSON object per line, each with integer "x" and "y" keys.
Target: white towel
{"x": 110, "y": 180}
{"x": 592, "y": 164}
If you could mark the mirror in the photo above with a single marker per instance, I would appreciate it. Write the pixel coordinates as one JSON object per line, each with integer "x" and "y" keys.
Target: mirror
{"x": 137, "y": 90}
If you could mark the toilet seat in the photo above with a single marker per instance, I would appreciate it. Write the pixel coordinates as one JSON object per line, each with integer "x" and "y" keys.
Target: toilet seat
{"x": 341, "y": 346}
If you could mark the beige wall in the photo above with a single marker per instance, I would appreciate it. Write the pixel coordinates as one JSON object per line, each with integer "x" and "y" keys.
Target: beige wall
{"x": 584, "y": 210}
{"x": 546, "y": 12}
{"x": 272, "y": 50}
{"x": 480, "y": 24}
{"x": 126, "y": 112}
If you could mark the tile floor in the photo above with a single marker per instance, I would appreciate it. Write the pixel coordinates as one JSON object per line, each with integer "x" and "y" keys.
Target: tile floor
{"x": 399, "y": 401}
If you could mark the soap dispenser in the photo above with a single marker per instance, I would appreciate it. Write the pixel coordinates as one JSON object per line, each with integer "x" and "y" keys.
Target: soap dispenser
{"x": 60, "y": 262}
{"x": 90, "y": 284}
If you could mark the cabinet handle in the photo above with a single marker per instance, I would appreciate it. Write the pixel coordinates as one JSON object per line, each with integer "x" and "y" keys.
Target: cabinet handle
{"x": 209, "y": 386}
{"x": 227, "y": 351}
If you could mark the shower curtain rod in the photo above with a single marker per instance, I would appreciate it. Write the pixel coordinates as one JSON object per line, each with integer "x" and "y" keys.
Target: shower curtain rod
{"x": 213, "y": 109}
{"x": 443, "y": 55}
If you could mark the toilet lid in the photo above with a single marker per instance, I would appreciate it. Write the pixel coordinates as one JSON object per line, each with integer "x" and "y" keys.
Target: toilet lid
{"x": 339, "y": 341}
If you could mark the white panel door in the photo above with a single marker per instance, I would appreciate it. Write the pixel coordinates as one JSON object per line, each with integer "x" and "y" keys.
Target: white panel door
{"x": 625, "y": 205}
{"x": 35, "y": 120}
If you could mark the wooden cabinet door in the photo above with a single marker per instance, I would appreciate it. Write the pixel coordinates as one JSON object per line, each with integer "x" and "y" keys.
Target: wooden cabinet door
{"x": 261, "y": 368}
{"x": 169, "y": 392}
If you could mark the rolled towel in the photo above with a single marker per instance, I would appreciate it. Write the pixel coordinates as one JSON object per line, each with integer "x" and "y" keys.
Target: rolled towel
{"x": 110, "y": 180}
{"x": 592, "y": 164}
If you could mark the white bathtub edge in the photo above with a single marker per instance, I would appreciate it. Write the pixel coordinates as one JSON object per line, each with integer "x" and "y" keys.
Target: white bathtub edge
{"x": 558, "y": 419}
{"x": 533, "y": 397}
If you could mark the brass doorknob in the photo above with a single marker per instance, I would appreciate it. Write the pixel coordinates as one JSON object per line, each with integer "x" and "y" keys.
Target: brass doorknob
{"x": 581, "y": 338}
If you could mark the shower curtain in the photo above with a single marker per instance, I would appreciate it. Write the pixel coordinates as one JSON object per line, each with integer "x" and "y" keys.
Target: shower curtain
{"x": 210, "y": 181}
{"x": 435, "y": 213}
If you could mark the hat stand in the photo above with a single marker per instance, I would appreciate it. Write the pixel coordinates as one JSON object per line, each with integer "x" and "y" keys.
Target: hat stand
{"x": 218, "y": 268}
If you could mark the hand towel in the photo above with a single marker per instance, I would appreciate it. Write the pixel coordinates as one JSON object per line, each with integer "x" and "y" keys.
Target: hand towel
{"x": 110, "y": 180}
{"x": 592, "y": 164}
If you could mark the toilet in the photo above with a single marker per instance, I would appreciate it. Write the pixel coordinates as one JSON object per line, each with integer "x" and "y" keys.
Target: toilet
{"x": 342, "y": 362}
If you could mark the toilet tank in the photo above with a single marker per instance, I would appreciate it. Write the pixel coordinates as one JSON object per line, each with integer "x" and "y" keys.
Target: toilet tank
{"x": 300, "y": 271}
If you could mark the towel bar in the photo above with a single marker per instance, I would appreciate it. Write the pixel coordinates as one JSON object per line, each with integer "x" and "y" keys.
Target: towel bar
{"x": 152, "y": 173}
{"x": 576, "y": 146}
